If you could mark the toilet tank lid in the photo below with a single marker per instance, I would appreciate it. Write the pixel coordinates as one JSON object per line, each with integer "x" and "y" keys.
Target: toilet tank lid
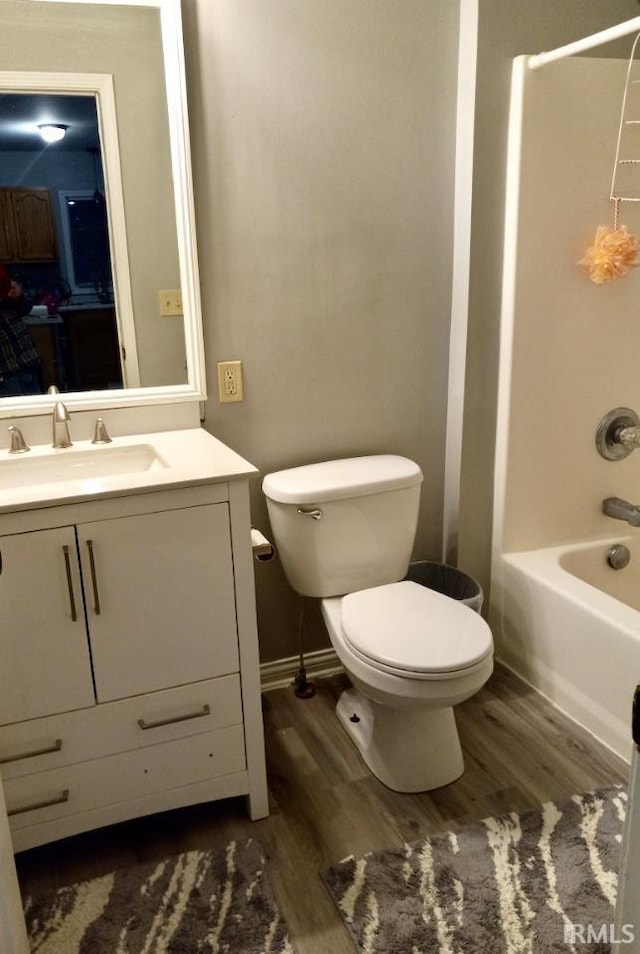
{"x": 337, "y": 479}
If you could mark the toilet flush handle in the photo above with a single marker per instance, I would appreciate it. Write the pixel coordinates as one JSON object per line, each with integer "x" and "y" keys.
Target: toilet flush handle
{"x": 316, "y": 514}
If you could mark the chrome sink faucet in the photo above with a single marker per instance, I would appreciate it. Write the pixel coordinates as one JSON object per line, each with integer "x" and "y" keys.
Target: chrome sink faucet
{"x": 622, "y": 510}
{"x": 61, "y": 418}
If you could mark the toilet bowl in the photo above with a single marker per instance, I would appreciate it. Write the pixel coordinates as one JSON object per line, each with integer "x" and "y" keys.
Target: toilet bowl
{"x": 344, "y": 531}
{"x": 411, "y": 655}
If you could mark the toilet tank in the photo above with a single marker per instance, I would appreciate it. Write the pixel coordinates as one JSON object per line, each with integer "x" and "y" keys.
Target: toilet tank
{"x": 344, "y": 525}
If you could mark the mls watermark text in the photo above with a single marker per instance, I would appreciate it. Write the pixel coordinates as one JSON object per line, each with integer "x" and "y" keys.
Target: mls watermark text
{"x": 599, "y": 934}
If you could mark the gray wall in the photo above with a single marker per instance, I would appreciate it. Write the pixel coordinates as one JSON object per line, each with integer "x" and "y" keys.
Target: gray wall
{"x": 507, "y": 28}
{"x": 323, "y": 146}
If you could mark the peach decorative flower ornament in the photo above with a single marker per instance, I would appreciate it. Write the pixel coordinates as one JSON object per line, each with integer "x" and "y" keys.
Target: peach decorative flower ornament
{"x": 613, "y": 253}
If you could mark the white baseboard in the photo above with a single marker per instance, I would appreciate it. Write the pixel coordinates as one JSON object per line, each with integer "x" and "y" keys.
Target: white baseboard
{"x": 281, "y": 672}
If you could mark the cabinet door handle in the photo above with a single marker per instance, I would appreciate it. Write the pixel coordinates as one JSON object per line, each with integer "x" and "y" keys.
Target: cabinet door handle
{"x": 206, "y": 710}
{"x": 67, "y": 566}
{"x": 94, "y": 578}
{"x": 55, "y": 747}
{"x": 46, "y": 803}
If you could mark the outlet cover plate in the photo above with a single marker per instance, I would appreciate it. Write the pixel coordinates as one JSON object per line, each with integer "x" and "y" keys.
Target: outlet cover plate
{"x": 230, "y": 384}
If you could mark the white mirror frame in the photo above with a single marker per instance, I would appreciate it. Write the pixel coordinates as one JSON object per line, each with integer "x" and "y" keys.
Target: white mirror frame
{"x": 195, "y": 389}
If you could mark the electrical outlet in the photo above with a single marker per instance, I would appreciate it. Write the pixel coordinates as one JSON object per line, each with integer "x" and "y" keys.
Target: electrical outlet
{"x": 230, "y": 381}
{"x": 170, "y": 302}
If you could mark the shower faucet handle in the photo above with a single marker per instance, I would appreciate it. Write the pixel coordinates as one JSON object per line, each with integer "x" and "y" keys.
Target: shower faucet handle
{"x": 618, "y": 433}
{"x": 630, "y": 437}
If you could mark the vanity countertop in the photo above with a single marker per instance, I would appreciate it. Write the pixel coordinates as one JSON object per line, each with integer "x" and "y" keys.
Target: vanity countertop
{"x": 140, "y": 463}
{"x": 87, "y": 306}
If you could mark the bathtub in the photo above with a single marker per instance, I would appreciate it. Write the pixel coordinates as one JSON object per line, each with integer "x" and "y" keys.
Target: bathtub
{"x": 569, "y": 624}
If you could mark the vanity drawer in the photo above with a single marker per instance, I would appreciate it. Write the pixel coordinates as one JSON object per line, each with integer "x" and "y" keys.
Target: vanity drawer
{"x": 72, "y": 789}
{"x": 139, "y": 722}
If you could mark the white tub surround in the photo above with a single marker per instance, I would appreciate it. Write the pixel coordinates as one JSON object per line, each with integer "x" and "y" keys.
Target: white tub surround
{"x": 130, "y": 649}
{"x": 562, "y": 618}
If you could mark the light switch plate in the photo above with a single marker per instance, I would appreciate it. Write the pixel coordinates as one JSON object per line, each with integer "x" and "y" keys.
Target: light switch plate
{"x": 170, "y": 302}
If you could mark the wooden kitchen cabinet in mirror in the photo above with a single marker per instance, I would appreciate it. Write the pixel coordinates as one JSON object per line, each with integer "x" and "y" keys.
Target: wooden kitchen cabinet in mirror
{"x": 27, "y": 231}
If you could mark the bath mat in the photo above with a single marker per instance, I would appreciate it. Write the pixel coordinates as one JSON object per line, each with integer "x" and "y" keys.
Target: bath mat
{"x": 537, "y": 882}
{"x": 198, "y": 902}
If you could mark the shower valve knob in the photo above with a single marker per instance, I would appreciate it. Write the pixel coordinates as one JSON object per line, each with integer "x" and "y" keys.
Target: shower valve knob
{"x": 618, "y": 433}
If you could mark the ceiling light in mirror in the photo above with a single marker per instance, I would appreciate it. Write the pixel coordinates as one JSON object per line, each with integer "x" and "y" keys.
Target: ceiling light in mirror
{"x": 52, "y": 132}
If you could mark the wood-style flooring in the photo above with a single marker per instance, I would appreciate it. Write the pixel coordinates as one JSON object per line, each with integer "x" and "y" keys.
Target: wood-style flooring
{"x": 325, "y": 805}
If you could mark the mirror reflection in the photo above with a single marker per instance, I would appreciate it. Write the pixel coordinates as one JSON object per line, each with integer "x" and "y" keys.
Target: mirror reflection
{"x": 57, "y": 311}
{"x": 88, "y": 235}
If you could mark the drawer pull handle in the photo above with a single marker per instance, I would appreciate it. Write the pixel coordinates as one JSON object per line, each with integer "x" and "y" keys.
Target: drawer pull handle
{"x": 57, "y": 745}
{"x": 67, "y": 566}
{"x": 206, "y": 710}
{"x": 47, "y": 803}
{"x": 94, "y": 578}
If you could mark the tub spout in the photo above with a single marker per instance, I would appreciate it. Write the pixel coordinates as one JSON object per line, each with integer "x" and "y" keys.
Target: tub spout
{"x": 622, "y": 510}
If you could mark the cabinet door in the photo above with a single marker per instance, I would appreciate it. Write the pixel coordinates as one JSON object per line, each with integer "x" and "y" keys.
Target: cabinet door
{"x": 35, "y": 235}
{"x": 7, "y": 227}
{"x": 44, "y": 653}
{"x": 93, "y": 348}
{"x": 160, "y": 599}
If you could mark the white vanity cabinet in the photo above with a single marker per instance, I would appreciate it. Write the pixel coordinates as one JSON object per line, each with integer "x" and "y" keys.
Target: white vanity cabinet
{"x": 129, "y": 678}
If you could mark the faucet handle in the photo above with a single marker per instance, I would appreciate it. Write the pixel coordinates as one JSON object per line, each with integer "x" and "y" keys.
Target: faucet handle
{"x": 101, "y": 435}
{"x": 618, "y": 433}
{"x": 18, "y": 443}
{"x": 629, "y": 436}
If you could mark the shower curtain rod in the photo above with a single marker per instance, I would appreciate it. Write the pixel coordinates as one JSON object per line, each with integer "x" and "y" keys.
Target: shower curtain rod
{"x": 596, "y": 39}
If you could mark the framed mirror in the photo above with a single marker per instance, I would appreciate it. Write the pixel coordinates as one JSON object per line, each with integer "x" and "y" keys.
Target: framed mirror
{"x": 97, "y": 234}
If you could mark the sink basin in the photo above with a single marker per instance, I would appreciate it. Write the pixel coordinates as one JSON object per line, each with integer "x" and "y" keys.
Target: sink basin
{"x": 73, "y": 465}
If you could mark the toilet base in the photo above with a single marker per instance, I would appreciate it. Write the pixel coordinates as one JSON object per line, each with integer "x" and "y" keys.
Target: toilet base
{"x": 409, "y": 750}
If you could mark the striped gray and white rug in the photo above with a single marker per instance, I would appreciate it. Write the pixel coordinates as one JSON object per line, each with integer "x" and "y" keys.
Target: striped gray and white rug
{"x": 198, "y": 902}
{"x": 540, "y": 882}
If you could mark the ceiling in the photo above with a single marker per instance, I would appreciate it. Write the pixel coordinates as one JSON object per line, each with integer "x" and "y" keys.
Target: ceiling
{"x": 21, "y": 112}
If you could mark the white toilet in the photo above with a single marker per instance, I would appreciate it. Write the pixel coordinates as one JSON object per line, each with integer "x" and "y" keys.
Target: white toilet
{"x": 344, "y": 530}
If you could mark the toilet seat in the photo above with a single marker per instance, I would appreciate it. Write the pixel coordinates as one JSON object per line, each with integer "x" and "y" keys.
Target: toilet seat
{"x": 409, "y": 630}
